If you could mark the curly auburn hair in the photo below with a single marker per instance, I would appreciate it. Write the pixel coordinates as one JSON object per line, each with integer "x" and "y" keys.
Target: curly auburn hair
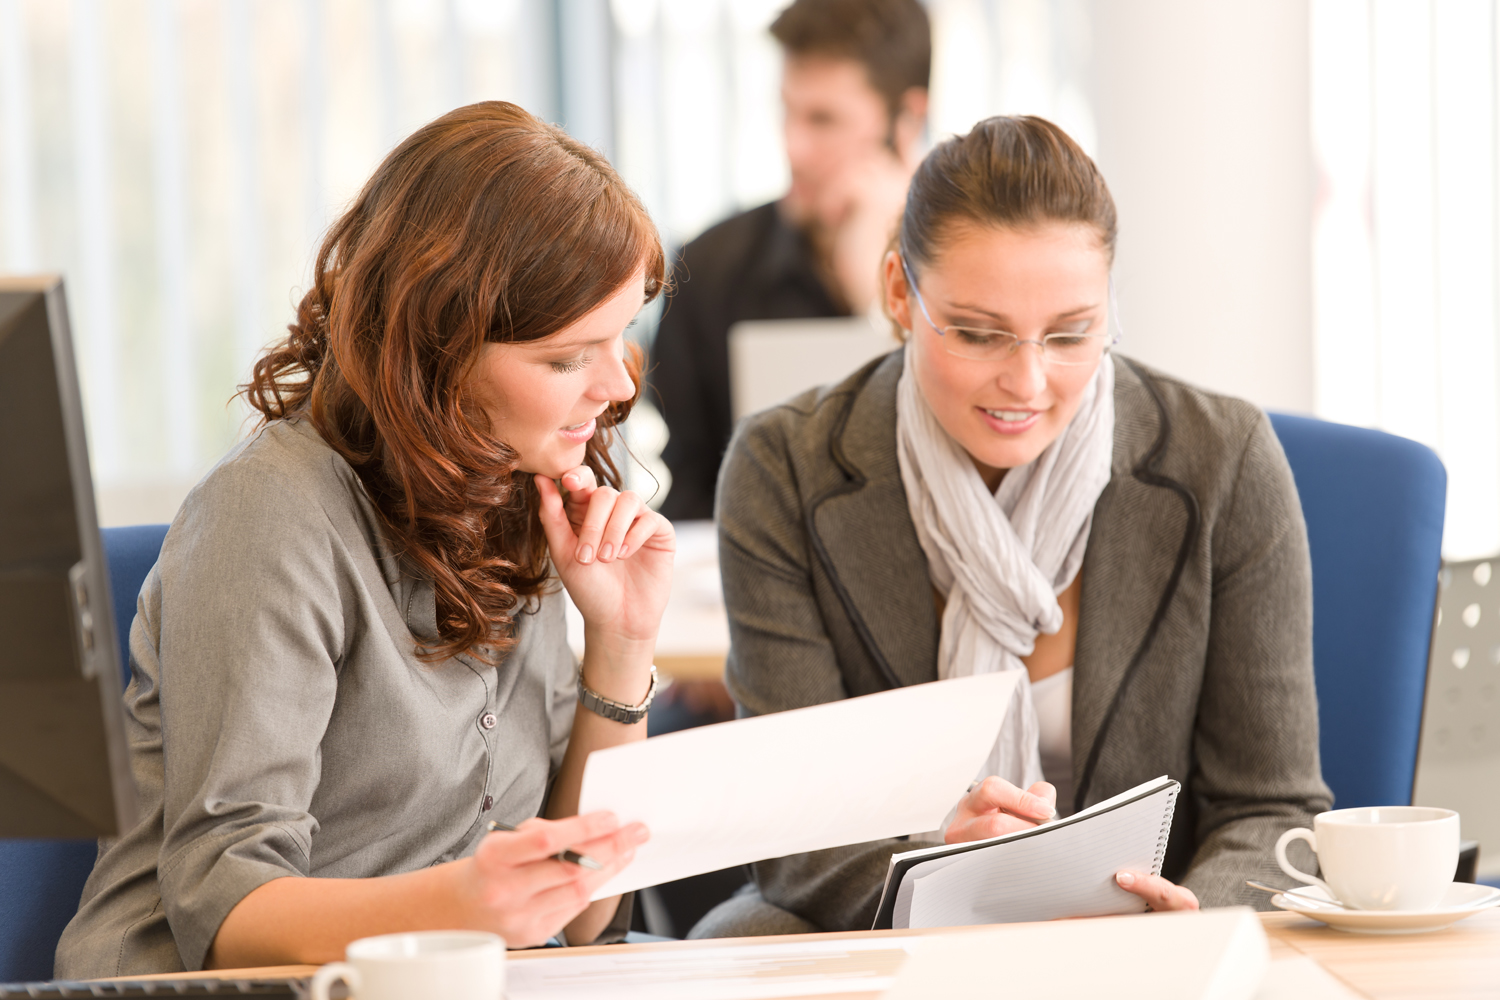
{"x": 485, "y": 226}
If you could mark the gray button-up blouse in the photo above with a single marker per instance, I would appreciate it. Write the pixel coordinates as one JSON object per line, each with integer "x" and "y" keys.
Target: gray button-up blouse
{"x": 280, "y": 723}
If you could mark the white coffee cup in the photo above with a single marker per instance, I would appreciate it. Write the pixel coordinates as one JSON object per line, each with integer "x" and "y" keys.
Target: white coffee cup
{"x": 1380, "y": 857}
{"x": 443, "y": 965}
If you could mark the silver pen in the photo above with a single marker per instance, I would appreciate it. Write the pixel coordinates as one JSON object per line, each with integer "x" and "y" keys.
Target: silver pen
{"x": 571, "y": 856}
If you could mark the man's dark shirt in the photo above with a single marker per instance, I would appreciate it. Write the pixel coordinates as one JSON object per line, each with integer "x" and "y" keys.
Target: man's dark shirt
{"x": 752, "y": 266}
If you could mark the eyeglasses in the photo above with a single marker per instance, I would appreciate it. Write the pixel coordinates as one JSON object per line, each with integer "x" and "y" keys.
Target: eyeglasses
{"x": 977, "y": 344}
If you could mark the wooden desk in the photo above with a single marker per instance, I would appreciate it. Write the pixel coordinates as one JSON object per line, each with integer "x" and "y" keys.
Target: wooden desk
{"x": 1462, "y": 961}
{"x": 1458, "y": 963}
{"x": 691, "y": 667}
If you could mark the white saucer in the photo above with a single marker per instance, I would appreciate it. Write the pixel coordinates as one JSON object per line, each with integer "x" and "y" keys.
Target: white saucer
{"x": 1460, "y": 900}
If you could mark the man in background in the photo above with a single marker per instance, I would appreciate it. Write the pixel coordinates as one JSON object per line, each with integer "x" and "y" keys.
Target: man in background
{"x": 854, "y": 86}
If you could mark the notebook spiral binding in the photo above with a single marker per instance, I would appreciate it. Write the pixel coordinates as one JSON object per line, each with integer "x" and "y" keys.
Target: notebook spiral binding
{"x": 1166, "y": 830}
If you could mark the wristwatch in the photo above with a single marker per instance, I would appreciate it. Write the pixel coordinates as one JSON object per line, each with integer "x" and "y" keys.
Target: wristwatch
{"x": 614, "y": 710}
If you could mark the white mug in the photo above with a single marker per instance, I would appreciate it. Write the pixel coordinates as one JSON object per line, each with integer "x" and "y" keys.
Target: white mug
{"x": 443, "y": 965}
{"x": 1380, "y": 857}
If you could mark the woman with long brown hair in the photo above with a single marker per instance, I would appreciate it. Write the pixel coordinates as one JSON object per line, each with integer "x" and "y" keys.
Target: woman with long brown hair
{"x": 351, "y": 656}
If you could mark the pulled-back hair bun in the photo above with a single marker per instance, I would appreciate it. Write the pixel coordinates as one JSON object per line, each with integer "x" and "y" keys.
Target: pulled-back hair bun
{"x": 1007, "y": 172}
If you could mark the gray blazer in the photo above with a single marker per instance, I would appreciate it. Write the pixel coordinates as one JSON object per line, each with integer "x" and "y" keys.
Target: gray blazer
{"x": 280, "y": 723}
{"x": 1194, "y": 654}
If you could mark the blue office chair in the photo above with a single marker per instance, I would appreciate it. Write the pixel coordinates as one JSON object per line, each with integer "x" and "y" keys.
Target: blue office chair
{"x": 130, "y": 552}
{"x": 1374, "y": 509}
{"x": 41, "y": 880}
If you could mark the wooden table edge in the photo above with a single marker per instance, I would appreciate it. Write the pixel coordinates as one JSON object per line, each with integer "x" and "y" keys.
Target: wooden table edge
{"x": 528, "y": 954}
{"x": 1351, "y": 959}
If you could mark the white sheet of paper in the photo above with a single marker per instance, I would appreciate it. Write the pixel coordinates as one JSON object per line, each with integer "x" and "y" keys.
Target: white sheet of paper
{"x": 1217, "y": 954}
{"x": 1302, "y": 978}
{"x": 1208, "y": 955}
{"x": 884, "y": 765}
{"x": 740, "y": 971}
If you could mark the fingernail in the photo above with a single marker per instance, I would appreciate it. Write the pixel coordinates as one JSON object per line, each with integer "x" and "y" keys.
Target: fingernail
{"x": 585, "y": 553}
{"x": 621, "y": 553}
{"x": 1125, "y": 879}
{"x": 606, "y": 550}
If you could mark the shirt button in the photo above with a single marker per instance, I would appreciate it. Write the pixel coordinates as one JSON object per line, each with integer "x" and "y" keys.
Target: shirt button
{"x": 489, "y": 803}
{"x": 488, "y": 720}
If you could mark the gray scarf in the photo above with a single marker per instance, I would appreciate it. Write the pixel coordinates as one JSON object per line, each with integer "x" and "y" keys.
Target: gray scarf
{"x": 1001, "y": 560}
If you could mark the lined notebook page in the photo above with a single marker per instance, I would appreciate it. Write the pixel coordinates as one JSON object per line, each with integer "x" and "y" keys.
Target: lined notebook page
{"x": 1066, "y": 869}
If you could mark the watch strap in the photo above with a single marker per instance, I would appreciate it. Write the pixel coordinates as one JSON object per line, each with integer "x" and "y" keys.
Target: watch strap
{"x": 614, "y": 710}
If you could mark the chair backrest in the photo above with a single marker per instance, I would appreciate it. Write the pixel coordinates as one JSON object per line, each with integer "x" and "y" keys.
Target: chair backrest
{"x": 41, "y": 880}
{"x": 1374, "y": 509}
{"x": 130, "y": 552}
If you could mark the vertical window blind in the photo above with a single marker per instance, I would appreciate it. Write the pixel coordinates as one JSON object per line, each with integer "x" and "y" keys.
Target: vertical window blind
{"x": 1404, "y": 237}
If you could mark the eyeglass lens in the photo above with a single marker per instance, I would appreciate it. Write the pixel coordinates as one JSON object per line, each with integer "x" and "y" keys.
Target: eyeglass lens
{"x": 991, "y": 345}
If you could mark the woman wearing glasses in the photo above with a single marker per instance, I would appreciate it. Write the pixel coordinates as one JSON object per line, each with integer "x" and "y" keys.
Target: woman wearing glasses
{"x": 1003, "y": 493}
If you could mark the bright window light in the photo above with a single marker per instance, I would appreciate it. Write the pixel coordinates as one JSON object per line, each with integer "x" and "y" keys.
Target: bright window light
{"x": 1404, "y": 119}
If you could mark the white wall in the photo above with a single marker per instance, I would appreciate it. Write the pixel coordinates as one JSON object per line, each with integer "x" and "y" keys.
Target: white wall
{"x": 1202, "y": 114}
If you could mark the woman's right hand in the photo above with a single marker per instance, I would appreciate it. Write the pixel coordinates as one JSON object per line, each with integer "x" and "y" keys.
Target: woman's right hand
{"x": 995, "y": 806}
{"x": 613, "y": 554}
{"x": 517, "y": 888}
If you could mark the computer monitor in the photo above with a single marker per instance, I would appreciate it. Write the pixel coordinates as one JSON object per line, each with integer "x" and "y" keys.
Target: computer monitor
{"x": 64, "y": 763}
{"x": 771, "y": 360}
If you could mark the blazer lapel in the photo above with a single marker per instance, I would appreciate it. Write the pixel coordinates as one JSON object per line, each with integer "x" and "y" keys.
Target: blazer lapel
{"x": 866, "y": 540}
{"x": 1140, "y": 528}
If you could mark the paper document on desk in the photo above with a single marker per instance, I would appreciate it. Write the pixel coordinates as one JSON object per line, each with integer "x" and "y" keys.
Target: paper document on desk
{"x": 884, "y": 765}
{"x": 1213, "y": 955}
{"x": 1188, "y": 955}
{"x": 742, "y": 970}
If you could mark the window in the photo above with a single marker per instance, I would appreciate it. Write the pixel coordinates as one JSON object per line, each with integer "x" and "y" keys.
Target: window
{"x": 1404, "y": 254}
{"x": 178, "y": 160}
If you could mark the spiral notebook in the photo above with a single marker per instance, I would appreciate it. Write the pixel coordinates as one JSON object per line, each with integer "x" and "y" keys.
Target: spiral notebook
{"x": 1065, "y": 868}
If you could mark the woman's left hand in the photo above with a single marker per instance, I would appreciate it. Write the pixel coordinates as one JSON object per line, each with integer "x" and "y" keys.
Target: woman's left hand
{"x": 1159, "y": 894}
{"x": 613, "y": 553}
